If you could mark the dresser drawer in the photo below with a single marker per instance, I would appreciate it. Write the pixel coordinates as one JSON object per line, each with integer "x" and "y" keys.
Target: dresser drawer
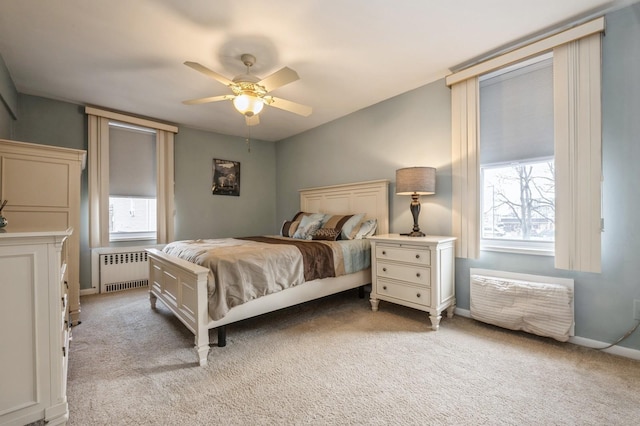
{"x": 411, "y": 273}
{"x": 407, "y": 254}
{"x": 409, "y": 293}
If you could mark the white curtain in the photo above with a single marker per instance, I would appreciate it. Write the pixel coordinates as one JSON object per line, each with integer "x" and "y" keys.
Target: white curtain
{"x": 578, "y": 154}
{"x": 99, "y": 175}
{"x": 465, "y": 157}
{"x": 577, "y": 122}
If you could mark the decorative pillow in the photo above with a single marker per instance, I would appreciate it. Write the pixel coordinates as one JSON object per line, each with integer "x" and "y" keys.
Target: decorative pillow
{"x": 314, "y": 216}
{"x": 351, "y": 226}
{"x": 329, "y": 234}
{"x": 335, "y": 221}
{"x": 289, "y": 228}
{"x": 306, "y": 229}
{"x": 367, "y": 229}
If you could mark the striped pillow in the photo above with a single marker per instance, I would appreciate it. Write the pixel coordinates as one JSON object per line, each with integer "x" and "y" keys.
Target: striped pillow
{"x": 289, "y": 228}
{"x": 336, "y": 222}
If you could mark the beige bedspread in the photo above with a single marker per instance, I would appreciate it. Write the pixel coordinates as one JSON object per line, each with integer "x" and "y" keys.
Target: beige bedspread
{"x": 243, "y": 270}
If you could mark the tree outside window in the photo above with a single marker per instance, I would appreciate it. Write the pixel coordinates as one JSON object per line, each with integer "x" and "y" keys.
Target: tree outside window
{"x": 519, "y": 201}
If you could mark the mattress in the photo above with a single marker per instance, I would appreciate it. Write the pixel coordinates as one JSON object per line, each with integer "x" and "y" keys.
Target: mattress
{"x": 243, "y": 269}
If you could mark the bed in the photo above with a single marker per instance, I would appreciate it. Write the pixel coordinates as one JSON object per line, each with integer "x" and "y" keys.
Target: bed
{"x": 182, "y": 286}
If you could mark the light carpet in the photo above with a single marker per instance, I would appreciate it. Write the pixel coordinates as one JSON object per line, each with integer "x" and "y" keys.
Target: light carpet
{"x": 335, "y": 362}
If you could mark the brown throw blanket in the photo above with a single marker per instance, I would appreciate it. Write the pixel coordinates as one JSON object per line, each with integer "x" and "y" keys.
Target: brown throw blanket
{"x": 317, "y": 257}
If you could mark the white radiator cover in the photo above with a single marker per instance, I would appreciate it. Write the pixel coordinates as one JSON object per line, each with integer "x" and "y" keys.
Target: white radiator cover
{"x": 124, "y": 270}
{"x": 532, "y": 303}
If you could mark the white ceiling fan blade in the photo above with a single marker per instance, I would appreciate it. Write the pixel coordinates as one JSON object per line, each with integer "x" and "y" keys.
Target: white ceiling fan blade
{"x": 209, "y": 73}
{"x": 209, "y": 99}
{"x": 293, "y": 107}
{"x": 279, "y": 78}
{"x": 254, "y": 120}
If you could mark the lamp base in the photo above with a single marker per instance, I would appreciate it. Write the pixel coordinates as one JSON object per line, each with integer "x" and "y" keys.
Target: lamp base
{"x": 414, "y": 234}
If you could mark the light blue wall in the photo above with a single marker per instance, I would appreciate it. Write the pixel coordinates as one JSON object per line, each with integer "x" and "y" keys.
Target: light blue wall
{"x": 414, "y": 129}
{"x": 603, "y": 302}
{"x": 199, "y": 214}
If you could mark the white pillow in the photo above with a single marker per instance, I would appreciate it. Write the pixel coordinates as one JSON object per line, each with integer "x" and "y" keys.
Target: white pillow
{"x": 351, "y": 226}
{"x": 367, "y": 229}
{"x": 307, "y": 228}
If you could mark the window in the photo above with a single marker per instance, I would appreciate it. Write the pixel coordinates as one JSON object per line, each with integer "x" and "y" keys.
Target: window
{"x": 517, "y": 177}
{"x": 132, "y": 218}
{"x": 577, "y": 145}
{"x": 132, "y": 182}
{"x": 130, "y": 178}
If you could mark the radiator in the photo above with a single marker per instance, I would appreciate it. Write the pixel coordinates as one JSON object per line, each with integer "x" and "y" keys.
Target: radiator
{"x": 123, "y": 271}
{"x": 532, "y": 303}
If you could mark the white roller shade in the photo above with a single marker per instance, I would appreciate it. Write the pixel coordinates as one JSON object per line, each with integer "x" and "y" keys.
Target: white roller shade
{"x": 132, "y": 162}
{"x": 516, "y": 119}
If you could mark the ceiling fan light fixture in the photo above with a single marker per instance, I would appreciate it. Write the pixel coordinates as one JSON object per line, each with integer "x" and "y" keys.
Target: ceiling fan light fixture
{"x": 248, "y": 104}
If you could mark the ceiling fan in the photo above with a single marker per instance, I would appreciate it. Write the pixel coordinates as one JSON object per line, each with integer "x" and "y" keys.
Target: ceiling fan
{"x": 250, "y": 93}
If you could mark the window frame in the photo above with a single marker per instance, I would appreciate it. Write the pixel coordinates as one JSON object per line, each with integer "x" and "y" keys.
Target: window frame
{"x": 539, "y": 248}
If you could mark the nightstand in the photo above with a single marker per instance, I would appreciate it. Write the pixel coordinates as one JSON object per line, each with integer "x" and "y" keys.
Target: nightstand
{"x": 414, "y": 271}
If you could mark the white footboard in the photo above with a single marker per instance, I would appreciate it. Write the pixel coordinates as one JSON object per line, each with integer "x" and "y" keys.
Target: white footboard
{"x": 182, "y": 287}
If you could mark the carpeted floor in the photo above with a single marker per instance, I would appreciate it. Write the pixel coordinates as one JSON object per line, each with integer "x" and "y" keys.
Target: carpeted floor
{"x": 335, "y": 362}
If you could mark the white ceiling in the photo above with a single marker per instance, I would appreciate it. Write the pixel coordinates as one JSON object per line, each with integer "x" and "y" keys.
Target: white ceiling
{"x": 128, "y": 55}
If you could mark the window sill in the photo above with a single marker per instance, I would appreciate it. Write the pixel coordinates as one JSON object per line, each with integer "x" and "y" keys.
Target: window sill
{"x": 131, "y": 237}
{"x": 518, "y": 250}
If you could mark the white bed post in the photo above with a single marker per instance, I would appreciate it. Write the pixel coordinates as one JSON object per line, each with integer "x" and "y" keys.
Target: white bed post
{"x": 202, "y": 320}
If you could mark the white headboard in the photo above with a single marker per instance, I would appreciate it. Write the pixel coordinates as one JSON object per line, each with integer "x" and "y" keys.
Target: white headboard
{"x": 370, "y": 197}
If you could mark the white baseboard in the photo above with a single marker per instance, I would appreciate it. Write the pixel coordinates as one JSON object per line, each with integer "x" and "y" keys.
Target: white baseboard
{"x": 462, "y": 312}
{"x": 615, "y": 350}
{"x": 87, "y": 291}
{"x": 582, "y": 341}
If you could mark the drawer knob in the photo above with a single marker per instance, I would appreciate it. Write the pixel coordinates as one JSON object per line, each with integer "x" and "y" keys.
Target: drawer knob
{"x": 417, "y": 256}
{"x": 418, "y": 274}
{"x": 384, "y": 287}
{"x": 418, "y": 295}
{"x": 384, "y": 269}
{"x": 384, "y": 252}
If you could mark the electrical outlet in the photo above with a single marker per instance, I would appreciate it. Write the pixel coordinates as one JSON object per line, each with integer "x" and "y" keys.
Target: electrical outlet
{"x": 636, "y": 309}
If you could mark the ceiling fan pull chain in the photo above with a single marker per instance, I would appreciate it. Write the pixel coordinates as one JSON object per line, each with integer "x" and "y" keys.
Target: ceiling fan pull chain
{"x": 248, "y": 139}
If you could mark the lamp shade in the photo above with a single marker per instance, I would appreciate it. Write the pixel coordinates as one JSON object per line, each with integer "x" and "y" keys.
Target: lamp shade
{"x": 416, "y": 180}
{"x": 248, "y": 104}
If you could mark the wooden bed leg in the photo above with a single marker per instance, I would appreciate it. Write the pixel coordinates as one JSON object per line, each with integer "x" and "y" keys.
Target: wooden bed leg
{"x": 202, "y": 347}
{"x": 222, "y": 336}
{"x": 152, "y": 300}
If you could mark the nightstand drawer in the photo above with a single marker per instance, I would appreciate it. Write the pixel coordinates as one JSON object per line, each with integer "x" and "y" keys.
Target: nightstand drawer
{"x": 404, "y": 292}
{"x": 403, "y": 254}
{"x": 414, "y": 274}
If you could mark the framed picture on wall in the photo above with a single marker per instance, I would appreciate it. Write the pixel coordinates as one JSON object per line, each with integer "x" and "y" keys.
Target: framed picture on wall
{"x": 226, "y": 177}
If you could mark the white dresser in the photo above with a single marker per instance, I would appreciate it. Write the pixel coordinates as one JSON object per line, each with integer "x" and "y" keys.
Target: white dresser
{"x": 414, "y": 271}
{"x": 42, "y": 186}
{"x": 34, "y": 327}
